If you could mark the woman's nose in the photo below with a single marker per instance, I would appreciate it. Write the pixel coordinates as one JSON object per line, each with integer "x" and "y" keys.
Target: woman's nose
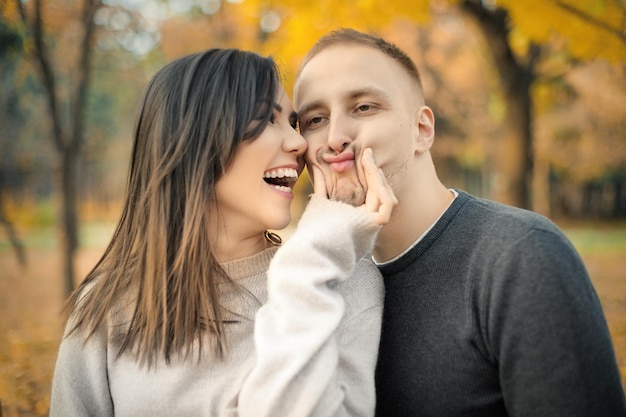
{"x": 294, "y": 142}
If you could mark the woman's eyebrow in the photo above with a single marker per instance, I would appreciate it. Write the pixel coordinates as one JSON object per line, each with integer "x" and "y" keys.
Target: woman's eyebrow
{"x": 279, "y": 108}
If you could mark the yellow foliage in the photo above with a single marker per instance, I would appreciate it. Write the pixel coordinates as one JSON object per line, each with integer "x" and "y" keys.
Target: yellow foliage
{"x": 237, "y": 24}
{"x": 8, "y": 11}
{"x": 592, "y": 28}
{"x": 303, "y": 22}
{"x": 233, "y": 26}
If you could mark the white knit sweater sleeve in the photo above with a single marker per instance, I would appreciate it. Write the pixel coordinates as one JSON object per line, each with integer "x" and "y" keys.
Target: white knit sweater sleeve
{"x": 80, "y": 386}
{"x": 313, "y": 359}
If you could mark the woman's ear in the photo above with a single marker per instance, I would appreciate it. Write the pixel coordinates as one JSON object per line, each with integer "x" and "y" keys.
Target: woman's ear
{"x": 426, "y": 129}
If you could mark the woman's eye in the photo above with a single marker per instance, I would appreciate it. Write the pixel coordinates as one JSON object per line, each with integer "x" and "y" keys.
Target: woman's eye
{"x": 272, "y": 118}
{"x": 364, "y": 107}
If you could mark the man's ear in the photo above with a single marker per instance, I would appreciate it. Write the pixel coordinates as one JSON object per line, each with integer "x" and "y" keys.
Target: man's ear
{"x": 426, "y": 129}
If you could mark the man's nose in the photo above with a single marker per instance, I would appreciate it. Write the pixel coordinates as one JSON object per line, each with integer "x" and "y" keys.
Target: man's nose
{"x": 340, "y": 133}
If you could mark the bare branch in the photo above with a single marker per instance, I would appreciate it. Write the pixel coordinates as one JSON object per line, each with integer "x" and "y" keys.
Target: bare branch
{"x": 47, "y": 74}
{"x": 84, "y": 71}
{"x": 590, "y": 19}
{"x": 20, "y": 7}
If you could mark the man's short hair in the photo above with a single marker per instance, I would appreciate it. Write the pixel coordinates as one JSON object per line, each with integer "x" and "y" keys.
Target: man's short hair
{"x": 350, "y": 36}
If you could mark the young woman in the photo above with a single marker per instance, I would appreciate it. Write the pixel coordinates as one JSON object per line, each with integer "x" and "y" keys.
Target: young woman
{"x": 194, "y": 310}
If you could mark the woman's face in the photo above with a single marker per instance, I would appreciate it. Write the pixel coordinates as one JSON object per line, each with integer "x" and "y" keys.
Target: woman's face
{"x": 255, "y": 193}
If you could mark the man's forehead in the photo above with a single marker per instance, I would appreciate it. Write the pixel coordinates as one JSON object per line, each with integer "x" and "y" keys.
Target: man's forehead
{"x": 340, "y": 70}
{"x": 340, "y": 54}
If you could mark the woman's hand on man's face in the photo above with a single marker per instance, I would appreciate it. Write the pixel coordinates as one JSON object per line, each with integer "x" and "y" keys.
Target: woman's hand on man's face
{"x": 379, "y": 200}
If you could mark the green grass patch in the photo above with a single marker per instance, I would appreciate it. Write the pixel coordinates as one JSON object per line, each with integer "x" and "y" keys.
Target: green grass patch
{"x": 91, "y": 235}
{"x": 604, "y": 238}
{"x": 586, "y": 238}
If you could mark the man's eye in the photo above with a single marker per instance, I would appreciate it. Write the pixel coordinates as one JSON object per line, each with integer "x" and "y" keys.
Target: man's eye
{"x": 364, "y": 107}
{"x": 311, "y": 123}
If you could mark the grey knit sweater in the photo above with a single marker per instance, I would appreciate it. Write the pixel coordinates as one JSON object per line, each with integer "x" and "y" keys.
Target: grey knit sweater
{"x": 492, "y": 313}
{"x": 307, "y": 347}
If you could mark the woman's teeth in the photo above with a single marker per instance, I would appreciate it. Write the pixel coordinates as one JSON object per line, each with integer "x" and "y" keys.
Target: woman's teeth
{"x": 282, "y": 173}
{"x": 281, "y": 188}
{"x": 282, "y": 179}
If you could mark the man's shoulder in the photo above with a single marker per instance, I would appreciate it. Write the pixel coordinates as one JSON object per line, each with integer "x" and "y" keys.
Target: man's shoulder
{"x": 500, "y": 216}
{"x": 491, "y": 225}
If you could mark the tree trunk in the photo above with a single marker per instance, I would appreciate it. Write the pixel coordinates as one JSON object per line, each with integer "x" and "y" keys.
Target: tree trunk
{"x": 69, "y": 232}
{"x": 513, "y": 154}
{"x": 68, "y": 137}
{"x": 541, "y": 186}
{"x": 10, "y": 230}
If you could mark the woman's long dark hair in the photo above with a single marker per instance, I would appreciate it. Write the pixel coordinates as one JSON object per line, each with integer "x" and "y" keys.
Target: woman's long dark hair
{"x": 160, "y": 264}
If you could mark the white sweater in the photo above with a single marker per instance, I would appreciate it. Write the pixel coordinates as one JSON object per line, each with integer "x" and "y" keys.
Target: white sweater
{"x": 307, "y": 347}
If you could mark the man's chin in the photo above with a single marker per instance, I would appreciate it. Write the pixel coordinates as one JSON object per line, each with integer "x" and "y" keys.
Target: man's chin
{"x": 348, "y": 191}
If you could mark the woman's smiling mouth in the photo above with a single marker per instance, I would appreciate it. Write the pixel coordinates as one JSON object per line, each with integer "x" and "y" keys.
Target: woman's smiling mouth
{"x": 283, "y": 179}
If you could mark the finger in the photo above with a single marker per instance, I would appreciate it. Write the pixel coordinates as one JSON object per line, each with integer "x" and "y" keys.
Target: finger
{"x": 319, "y": 185}
{"x": 375, "y": 180}
{"x": 387, "y": 201}
{"x": 373, "y": 175}
{"x": 380, "y": 199}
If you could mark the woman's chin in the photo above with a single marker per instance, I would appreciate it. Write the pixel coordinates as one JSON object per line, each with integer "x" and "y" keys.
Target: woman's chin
{"x": 280, "y": 224}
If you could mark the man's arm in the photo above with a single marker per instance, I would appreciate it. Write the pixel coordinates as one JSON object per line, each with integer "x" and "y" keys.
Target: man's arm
{"x": 549, "y": 334}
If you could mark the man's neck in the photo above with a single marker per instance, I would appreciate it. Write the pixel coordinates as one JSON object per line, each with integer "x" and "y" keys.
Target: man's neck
{"x": 416, "y": 211}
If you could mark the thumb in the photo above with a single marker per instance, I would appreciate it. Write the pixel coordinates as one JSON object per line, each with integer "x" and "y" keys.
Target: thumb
{"x": 319, "y": 185}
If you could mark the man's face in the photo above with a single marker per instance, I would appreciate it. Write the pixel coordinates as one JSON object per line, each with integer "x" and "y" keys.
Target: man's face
{"x": 349, "y": 98}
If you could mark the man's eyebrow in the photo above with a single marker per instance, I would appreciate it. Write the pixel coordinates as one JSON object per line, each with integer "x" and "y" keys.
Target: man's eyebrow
{"x": 352, "y": 95}
{"x": 368, "y": 91}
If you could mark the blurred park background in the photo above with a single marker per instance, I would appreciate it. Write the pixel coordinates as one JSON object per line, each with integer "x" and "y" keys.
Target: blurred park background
{"x": 529, "y": 97}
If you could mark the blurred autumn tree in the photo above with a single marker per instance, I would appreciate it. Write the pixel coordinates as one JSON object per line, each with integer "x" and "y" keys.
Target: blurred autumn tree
{"x": 580, "y": 146}
{"x": 521, "y": 38}
{"x": 10, "y": 46}
{"x": 45, "y": 27}
{"x": 56, "y": 63}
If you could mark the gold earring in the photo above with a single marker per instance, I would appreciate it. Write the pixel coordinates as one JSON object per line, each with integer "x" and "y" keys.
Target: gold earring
{"x": 273, "y": 238}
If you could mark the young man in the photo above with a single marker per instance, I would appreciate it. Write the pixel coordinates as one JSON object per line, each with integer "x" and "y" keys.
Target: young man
{"x": 489, "y": 310}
